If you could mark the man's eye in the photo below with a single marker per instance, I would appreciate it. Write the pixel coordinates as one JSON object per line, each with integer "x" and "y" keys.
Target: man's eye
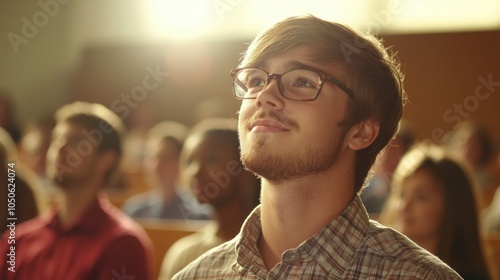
{"x": 256, "y": 82}
{"x": 304, "y": 83}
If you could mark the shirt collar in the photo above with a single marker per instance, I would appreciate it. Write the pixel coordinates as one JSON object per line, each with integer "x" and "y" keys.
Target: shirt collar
{"x": 88, "y": 220}
{"x": 333, "y": 247}
{"x": 247, "y": 253}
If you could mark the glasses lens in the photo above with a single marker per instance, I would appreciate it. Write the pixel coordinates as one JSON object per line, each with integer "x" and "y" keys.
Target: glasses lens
{"x": 300, "y": 84}
{"x": 249, "y": 82}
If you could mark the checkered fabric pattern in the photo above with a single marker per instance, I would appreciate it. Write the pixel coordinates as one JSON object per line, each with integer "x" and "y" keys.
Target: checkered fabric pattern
{"x": 349, "y": 247}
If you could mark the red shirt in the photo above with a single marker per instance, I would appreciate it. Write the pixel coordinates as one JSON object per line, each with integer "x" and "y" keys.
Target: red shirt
{"x": 102, "y": 244}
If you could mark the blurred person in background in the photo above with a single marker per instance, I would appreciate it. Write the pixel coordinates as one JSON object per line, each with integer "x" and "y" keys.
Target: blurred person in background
{"x": 83, "y": 236}
{"x": 167, "y": 199}
{"x": 8, "y": 116}
{"x": 378, "y": 189}
{"x": 213, "y": 108}
{"x": 432, "y": 202}
{"x": 35, "y": 141}
{"x": 18, "y": 187}
{"x": 211, "y": 166}
{"x": 473, "y": 143}
{"x": 140, "y": 120}
{"x": 33, "y": 147}
{"x": 490, "y": 216}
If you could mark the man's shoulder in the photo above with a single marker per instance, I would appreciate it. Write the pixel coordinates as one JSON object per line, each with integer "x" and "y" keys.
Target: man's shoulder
{"x": 121, "y": 234}
{"x": 385, "y": 241}
{"x": 217, "y": 261}
{"x": 385, "y": 247}
{"x": 118, "y": 223}
{"x": 197, "y": 242}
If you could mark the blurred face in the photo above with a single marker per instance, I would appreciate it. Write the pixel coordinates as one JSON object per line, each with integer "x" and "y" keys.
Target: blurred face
{"x": 283, "y": 139}
{"x": 162, "y": 166}
{"x": 211, "y": 168}
{"x": 468, "y": 146}
{"x": 33, "y": 151}
{"x": 72, "y": 159}
{"x": 472, "y": 150}
{"x": 420, "y": 207}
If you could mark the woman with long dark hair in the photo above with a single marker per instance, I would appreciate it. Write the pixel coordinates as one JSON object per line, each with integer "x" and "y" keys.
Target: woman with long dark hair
{"x": 432, "y": 202}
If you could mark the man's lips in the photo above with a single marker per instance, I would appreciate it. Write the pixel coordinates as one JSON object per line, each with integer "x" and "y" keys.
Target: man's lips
{"x": 267, "y": 126}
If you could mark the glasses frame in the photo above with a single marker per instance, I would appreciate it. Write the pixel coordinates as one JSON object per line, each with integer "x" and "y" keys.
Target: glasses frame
{"x": 269, "y": 76}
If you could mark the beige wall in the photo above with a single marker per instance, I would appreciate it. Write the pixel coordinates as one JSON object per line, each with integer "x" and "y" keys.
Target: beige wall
{"x": 38, "y": 69}
{"x": 39, "y": 73}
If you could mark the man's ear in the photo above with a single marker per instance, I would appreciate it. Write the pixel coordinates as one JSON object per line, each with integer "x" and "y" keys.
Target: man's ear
{"x": 363, "y": 134}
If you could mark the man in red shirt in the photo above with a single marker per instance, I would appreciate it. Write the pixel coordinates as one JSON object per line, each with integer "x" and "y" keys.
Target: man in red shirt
{"x": 83, "y": 237}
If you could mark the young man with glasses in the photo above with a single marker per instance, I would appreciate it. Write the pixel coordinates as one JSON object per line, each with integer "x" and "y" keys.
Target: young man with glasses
{"x": 319, "y": 103}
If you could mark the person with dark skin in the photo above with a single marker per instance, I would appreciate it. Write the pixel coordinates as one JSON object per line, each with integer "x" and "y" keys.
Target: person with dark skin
{"x": 211, "y": 166}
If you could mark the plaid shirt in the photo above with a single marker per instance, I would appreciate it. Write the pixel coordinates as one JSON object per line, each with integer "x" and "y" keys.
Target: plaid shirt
{"x": 349, "y": 247}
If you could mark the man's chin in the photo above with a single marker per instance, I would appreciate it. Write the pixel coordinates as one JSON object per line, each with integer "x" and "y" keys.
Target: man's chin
{"x": 262, "y": 168}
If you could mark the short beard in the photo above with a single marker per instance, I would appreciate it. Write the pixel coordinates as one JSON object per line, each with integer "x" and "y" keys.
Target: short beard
{"x": 293, "y": 165}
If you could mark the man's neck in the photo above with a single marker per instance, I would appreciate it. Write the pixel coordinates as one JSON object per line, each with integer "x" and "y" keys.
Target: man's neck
{"x": 74, "y": 202}
{"x": 294, "y": 211}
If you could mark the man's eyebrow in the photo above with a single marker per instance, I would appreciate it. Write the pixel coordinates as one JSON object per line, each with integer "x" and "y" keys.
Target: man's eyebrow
{"x": 290, "y": 65}
{"x": 261, "y": 65}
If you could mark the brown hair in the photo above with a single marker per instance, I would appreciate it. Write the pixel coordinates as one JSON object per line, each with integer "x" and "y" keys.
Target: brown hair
{"x": 371, "y": 73}
{"x": 101, "y": 120}
{"x": 459, "y": 242}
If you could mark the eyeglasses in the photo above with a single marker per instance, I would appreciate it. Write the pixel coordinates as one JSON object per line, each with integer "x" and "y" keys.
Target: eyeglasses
{"x": 296, "y": 84}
